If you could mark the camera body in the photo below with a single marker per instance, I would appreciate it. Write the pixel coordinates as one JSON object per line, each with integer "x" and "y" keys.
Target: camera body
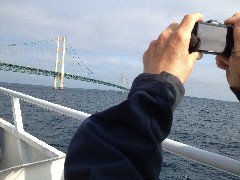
{"x": 212, "y": 37}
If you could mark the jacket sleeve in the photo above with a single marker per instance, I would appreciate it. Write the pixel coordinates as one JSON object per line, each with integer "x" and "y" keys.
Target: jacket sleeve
{"x": 124, "y": 142}
{"x": 236, "y": 92}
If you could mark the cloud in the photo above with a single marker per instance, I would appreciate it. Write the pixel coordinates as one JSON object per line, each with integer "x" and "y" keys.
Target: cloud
{"x": 109, "y": 26}
{"x": 110, "y": 35}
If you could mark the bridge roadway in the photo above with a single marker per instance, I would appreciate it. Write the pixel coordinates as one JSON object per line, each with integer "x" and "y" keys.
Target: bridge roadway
{"x": 30, "y": 70}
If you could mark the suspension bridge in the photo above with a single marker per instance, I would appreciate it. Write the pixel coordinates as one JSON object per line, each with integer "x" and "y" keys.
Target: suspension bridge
{"x": 38, "y": 58}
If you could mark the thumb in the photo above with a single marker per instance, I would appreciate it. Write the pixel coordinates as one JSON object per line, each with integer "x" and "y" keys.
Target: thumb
{"x": 195, "y": 56}
{"x": 236, "y": 35}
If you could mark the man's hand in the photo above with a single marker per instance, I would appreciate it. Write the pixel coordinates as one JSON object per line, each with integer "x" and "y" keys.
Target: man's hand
{"x": 232, "y": 64}
{"x": 170, "y": 51}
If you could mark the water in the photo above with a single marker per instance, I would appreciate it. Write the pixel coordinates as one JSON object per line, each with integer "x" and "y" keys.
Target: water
{"x": 207, "y": 124}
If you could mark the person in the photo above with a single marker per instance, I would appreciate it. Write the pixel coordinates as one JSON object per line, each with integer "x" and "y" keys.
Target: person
{"x": 232, "y": 64}
{"x": 124, "y": 141}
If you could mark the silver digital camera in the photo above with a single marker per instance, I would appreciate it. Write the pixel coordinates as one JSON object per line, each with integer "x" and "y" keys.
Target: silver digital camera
{"x": 212, "y": 37}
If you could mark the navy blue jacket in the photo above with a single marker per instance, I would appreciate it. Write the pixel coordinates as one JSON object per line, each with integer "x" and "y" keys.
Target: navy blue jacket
{"x": 236, "y": 92}
{"x": 124, "y": 142}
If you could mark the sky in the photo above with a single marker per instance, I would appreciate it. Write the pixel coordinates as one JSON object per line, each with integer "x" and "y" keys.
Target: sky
{"x": 111, "y": 36}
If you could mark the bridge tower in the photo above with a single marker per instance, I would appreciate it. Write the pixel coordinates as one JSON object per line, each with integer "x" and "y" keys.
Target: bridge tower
{"x": 60, "y": 55}
{"x": 123, "y": 81}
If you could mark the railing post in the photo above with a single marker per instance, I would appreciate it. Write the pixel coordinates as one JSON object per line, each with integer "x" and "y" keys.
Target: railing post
{"x": 17, "y": 116}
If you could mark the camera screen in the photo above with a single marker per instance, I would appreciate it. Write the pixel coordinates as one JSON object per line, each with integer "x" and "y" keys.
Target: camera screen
{"x": 213, "y": 38}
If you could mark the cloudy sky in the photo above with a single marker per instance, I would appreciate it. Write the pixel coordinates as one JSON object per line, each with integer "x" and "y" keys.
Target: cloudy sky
{"x": 111, "y": 35}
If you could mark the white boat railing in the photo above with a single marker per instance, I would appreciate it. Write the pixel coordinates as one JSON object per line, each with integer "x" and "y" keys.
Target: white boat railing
{"x": 226, "y": 164}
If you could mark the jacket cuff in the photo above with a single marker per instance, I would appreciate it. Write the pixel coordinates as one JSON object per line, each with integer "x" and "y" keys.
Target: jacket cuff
{"x": 157, "y": 83}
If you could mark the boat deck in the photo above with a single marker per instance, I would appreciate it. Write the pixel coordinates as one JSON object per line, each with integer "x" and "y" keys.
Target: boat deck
{"x": 24, "y": 156}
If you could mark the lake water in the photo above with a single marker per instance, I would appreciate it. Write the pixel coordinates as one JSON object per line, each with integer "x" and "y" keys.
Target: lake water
{"x": 207, "y": 124}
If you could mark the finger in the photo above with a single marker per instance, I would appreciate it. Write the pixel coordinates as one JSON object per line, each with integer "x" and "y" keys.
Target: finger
{"x": 171, "y": 28}
{"x": 200, "y": 55}
{"x": 224, "y": 59}
{"x": 152, "y": 47}
{"x": 221, "y": 64}
{"x": 195, "y": 56}
{"x": 228, "y": 75}
{"x": 145, "y": 56}
{"x": 236, "y": 35}
{"x": 232, "y": 19}
{"x": 189, "y": 21}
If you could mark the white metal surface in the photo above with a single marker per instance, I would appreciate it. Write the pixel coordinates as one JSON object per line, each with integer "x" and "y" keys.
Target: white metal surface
{"x": 226, "y": 164}
{"x": 51, "y": 169}
{"x": 214, "y": 160}
{"x": 51, "y": 106}
{"x": 25, "y": 157}
{"x": 17, "y": 116}
{"x": 33, "y": 141}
